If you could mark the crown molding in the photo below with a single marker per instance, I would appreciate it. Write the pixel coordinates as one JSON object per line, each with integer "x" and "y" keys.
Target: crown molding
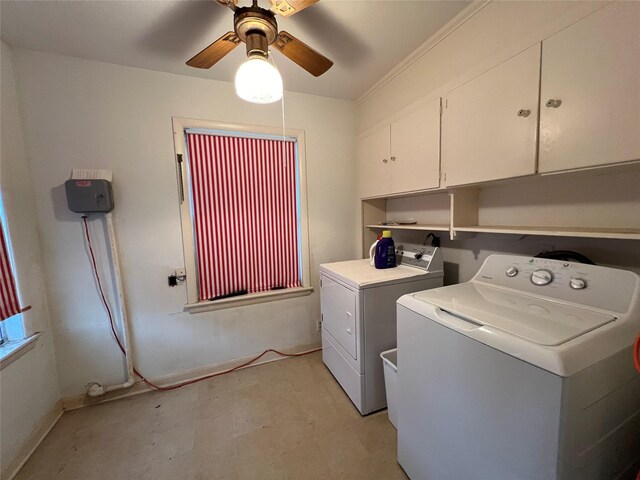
{"x": 450, "y": 27}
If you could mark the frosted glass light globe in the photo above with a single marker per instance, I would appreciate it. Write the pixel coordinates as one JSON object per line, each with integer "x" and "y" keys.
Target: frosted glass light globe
{"x": 257, "y": 81}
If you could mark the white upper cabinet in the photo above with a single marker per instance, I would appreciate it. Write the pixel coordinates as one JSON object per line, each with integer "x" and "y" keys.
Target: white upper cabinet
{"x": 403, "y": 156}
{"x": 570, "y": 102}
{"x": 590, "y": 102}
{"x": 415, "y": 149}
{"x": 374, "y": 152}
{"x": 490, "y": 124}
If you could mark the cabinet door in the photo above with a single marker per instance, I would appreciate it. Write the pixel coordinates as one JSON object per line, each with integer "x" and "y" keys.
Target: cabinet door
{"x": 415, "y": 150}
{"x": 338, "y": 306}
{"x": 374, "y": 169}
{"x": 593, "y": 69}
{"x": 490, "y": 123}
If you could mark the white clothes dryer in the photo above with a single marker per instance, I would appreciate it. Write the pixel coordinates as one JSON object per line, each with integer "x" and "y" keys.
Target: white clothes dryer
{"x": 358, "y": 304}
{"x": 525, "y": 372}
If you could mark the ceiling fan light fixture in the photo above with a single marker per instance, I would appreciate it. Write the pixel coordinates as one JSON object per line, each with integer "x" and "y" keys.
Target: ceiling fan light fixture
{"x": 258, "y": 81}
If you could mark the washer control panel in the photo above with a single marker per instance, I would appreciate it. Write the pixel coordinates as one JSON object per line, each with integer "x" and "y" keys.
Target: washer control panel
{"x": 590, "y": 285}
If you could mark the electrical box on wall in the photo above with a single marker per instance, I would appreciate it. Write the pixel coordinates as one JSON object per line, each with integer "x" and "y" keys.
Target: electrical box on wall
{"x": 89, "y": 195}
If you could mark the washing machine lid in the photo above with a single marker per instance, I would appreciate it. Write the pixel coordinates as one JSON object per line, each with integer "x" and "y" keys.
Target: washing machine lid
{"x": 534, "y": 319}
{"x": 359, "y": 274}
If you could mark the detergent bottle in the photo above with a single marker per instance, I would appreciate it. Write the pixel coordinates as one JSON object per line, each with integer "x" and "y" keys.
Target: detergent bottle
{"x": 385, "y": 251}
{"x": 372, "y": 251}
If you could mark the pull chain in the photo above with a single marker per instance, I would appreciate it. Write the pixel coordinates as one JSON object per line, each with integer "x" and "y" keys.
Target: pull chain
{"x": 284, "y": 130}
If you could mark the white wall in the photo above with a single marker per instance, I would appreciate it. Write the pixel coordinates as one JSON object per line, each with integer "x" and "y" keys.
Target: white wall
{"x": 28, "y": 386}
{"x": 86, "y": 114}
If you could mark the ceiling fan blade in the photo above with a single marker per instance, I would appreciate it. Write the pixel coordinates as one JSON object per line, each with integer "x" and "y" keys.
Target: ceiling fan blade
{"x": 302, "y": 54}
{"x": 214, "y": 52}
{"x": 287, "y": 8}
{"x": 228, "y": 3}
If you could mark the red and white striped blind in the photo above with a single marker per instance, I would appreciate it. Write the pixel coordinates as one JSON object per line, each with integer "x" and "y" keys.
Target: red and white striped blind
{"x": 244, "y": 202}
{"x": 9, "y": 303}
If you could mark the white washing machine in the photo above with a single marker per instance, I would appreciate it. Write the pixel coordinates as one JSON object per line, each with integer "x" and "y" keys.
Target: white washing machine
{"x": 358, "y": 305}
{"x": 525, "y": 372}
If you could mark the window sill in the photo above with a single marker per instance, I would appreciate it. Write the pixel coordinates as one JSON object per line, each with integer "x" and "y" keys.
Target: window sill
{"x": 13, "y": 350}
{"x": 248, "y": 299}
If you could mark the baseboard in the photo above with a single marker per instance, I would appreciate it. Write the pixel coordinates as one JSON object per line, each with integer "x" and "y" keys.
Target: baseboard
{"x": 83, "y": 400}
{"x": 34, "y": 439}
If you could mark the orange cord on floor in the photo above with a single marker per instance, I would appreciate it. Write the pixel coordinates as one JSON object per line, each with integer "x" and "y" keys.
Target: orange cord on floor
{"x": 117, "y": 338}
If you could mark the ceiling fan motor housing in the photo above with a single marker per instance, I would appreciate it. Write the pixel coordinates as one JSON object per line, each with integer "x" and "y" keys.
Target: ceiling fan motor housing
{"x": 256, "y": 27}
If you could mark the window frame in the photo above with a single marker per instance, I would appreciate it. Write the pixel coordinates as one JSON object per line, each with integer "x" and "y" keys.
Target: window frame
{"x": 180, "y": 125}
{"x": 13, "y": 328}
{"x": 15, "y": 340}
{"x": 4, "y": 338}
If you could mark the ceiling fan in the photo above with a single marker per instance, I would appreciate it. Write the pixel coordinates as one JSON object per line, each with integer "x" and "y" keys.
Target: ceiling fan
{"x": 257, "y": 27}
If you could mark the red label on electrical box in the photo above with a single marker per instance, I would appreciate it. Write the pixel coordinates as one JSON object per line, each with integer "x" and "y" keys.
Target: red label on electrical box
{"x": 83, "y": 183}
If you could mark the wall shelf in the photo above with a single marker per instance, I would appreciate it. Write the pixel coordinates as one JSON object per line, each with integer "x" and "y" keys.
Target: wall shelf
{"x": 599, "y": 204}
{"x": 415, "y": 226}
{"x": 431, "y": 211}
{"x": 612, "y": 233}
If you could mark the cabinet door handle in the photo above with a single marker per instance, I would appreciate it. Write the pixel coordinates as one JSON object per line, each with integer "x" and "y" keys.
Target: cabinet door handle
{"x": 393, "y": 159}
{"x": 553, "y": 103}
{"x": 384, "y": 160}
{"x": 524, "y": 113}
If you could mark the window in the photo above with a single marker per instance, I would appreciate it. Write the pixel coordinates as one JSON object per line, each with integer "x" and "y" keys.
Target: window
{"x": 10, "y": 319}
{"x": 12, "y": 336}
{"x": 243, "y": 210}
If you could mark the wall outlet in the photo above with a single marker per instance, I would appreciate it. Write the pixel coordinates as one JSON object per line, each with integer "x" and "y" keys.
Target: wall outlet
{"x": 181, "y": 272}
{"x": 318, "y": 325}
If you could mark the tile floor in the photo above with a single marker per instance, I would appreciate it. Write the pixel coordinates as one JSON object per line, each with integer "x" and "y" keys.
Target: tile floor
{"x": 284, "y": 420}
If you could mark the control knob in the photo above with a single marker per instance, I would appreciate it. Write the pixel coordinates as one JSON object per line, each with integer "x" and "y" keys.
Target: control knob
{"x": 577, "y": 283}
{"x": 511, "y": 271}
{"x": 541, "y": 277}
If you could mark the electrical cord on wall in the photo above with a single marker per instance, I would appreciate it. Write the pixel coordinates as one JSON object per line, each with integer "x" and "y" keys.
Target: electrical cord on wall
{"x": 117, "y": 338}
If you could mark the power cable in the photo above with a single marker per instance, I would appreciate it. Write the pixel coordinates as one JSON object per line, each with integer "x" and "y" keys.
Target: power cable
{"x": 117, "y": 338}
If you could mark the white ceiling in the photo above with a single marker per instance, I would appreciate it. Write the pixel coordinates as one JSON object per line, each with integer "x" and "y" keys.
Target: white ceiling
{"x": 364, "y": 38}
